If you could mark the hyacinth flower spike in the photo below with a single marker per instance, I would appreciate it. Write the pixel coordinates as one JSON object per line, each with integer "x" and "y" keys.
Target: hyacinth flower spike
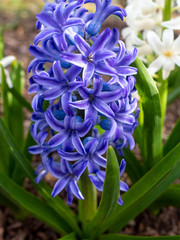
{"x": 70, "y": 131}
{"x": 91, "y": 57}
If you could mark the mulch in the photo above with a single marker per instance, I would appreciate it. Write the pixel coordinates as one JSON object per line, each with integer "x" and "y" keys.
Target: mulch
{"x": 167, "y": 222}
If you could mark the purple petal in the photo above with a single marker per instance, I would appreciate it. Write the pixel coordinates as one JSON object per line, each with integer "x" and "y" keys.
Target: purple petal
{"x": 65, "y": 99}
{"x": 57, "y": 70}
{"x": 103, "y": 108}
{"x": 73, "y": 22}
{"x": 82, "y": 45}
{"x": 124, "y": 118}
{"x": 60, "y": 41}
{"x": 81, "y": 104}
{"x": 70, "y": 156}
{"x": 97, "y": 182}
{"x": 47, "y": 20}
{"x": 100, "y": 41}
{"x": 41, "y": 137}
{"x": 123, "y": 186}
{"x": 45, "y": 80}
{"x": 69, "y": 122}
{"x": 71, "y": 6}
{"x": 121, "y": 51}
{"x": 103, "y": 54}
{"x": 44, "y": 34}
{"x": 78, "y": 144}
{"x": 69, "y": 195}
{"x": 40, "y": 54}
{"x": 112, "y": 41}
{"x": 97, "y": 84}
{"x": 79, "y": 167}
{"x": 75, "y": 190}
{"x": 122, "y": 167}
{"x": 72, "y": 73}
{"x": 57, "y": 139}
{"x": 91, "y": 145}
{"x": 35, "y": 149}
{"x": 84, "y": 127}
{"x": 54, "y": 93}
{"x": 88, "y": 72}
{"x": 123, "y": 70}
{"x": 99, "y": 160}
{"x": 60, "y": 184}
{"x": 76, "y": 59}
{"x": 59, "y": 14}
{"x": 83, "y": 91}
{"x": 74, "y": 86}
{"x": 53, "y": 122}
{"x": 91, "y": 113}
{"x": 103, "y": 68}
{"x": 111, "y": 96}
{"x": 102, "y": 148}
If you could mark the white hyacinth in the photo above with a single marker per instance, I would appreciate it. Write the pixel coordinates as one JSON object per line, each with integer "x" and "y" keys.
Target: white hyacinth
{"x": 168, "y": 51}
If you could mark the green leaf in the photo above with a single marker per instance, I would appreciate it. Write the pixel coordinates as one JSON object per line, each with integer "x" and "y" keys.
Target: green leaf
{"x": 126, "y": 237}
{"x": 29, "y": 141}
{"x": 133, "y": 167}
{"x": 173, "y": 94}
{"x": 110, "y": 195}
{"x": 32, "y": 204}
{"x": 70, "y": 236}
{"x": 150, "y": 100}
{"x": 173, "y": 139}
{"x": 20, "y": 99}
{"x": 44, "y": 190}
{"x": 146, "y": 190}
{"x": 174, "y": 85}
{"x": 4, "y": 165}
{"x": 169, "y": 198}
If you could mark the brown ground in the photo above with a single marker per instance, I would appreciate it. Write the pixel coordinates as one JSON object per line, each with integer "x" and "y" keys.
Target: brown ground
{"x": 17, "y": 40}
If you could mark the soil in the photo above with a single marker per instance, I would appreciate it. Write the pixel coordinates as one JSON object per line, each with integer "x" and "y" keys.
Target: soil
{"x": 17, "y": 38}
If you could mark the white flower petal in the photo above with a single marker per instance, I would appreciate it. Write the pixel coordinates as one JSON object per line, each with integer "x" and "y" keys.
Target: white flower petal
{"x": 176, "y": 46}
{"x": 172, "y": 24}
{"x": 6, "y": 61}
{"x": 156, "y": 65}
{"x": 167, "y": 68}
{"x": 155, "y": 42}
{"x": 176, "y": 60}
{"x": 167, "y": 39}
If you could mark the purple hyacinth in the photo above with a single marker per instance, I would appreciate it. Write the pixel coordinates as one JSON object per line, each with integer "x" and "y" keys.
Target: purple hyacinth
{"x": 77, "y": 114}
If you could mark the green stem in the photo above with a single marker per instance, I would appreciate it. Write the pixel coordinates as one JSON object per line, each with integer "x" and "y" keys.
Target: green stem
{"x": 163, "y": 92}
{"x": 88, "y": 206}
{"x": 167, "y": 10}
{"x": 163, "y": 89}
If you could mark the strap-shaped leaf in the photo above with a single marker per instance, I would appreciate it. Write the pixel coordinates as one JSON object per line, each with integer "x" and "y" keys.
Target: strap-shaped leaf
{"x": 70, "y": 236}
{"x": 32, "y": 204}
{"x": 171, "y": 197}
{"x": 44, "y": 190}
{"x": 20, "y": 99}
{"x": 149, "y": 95}
{"x": 173, "y": 139}
{"x": 146, "y": 190}
{"x": 110, "y": 195}
{"x": 126, "y": 237}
